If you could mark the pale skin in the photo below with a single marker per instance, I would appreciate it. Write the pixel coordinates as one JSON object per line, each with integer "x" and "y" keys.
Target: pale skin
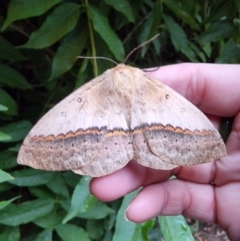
{"x": 208, "y": 192}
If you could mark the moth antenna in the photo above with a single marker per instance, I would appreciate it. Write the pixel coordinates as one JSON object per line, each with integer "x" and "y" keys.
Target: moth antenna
{"x": 140, "y": 46}
{"x": 97, "y": 57}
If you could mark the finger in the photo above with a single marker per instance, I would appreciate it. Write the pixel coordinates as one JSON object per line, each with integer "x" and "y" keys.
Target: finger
{"x": 228, "y": 209}
{"x": 119, "y": 183}
{"x": 215, "y": 120}
{"x": 233, "y": 142}
{"x": 212, "y": 87}
{"x": 202, "y": 173}
{"x": 130, "y": 178}
{"x": 228, "y": 168}
{"x": 134, "y": 176}
{"x": 173, "y": 197}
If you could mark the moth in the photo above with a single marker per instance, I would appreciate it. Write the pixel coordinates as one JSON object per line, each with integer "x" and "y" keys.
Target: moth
{"x": 121, "y": 115}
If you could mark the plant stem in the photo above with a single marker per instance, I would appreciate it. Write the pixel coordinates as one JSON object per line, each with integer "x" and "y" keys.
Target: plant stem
{"x": 95, "y": 68}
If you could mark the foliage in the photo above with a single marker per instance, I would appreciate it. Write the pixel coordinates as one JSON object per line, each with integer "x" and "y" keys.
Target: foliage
{"x": 39, "y": 42}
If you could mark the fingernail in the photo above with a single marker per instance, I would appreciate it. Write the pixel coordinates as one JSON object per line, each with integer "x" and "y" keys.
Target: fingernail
{"x": 125, "y": 214}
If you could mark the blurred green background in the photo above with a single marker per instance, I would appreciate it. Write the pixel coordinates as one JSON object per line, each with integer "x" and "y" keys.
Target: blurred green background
{"x": 39, "y": 43}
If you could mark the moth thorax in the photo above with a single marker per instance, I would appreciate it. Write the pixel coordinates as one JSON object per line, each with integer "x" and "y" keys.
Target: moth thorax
{"x": 123, "y": 81}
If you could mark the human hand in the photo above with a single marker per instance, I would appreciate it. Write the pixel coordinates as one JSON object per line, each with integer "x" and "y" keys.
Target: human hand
{"x": 208, "y": 192}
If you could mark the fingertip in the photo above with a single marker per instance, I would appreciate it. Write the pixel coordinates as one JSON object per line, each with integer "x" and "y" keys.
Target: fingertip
{"x": 142, "y": 208}
{"x": 173, "y": 197}
{"x": 119, "y": 183}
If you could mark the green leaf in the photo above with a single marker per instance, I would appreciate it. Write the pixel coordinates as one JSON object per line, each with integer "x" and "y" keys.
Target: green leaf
{"x": 178, "y": 9}
{"x": 53, "y": 219}
{"x": 4, "y": 204}
{"x": 150, "y": 26}
{"x": 4, "y": 176}
{"x": 17, "y": 130}
{"x": 102, "y": 27}
{"x": 4, "y": 137}
{"x": 15, "y": 148}
{"x": 14, "y": 215}
{"x": 5, "y": 187}
{"x": 9, "y": 234}
{"x": 70, "y": 232}
{"x": 22, "y": 9}
{"x": 221, "y": 9}
{"x": 230, "y": 53}
{"x": 95, "y": 228}
{"x": 218, "y": 31}
{"x": 198, "y": 51}
{"x": 60, "y": 22}
{"x": 80, "y": 193}
{"x": 123, "y": 7}
{"x": 237, "y": 5}
{"x": 3, "y": 108}
{"x": 124, "y": 229}
{"x": 71, "y": 178}
{"x": 9, "y": 102}
{"x": 68, "y": 51}
{"x": 7, "y": 159}
{"x": 45, "y": 235}
{"x": 30, "y": 177}
{"x": 98, "y": 211}
{"x": 40, "y": 191}
{"x": 58, "y": 185}
{"x": 8, "y": 51}
{"x": 83, "y": 74}
{"x": 179, "y": 38}
{"x": 142, "y": 231}
{"x": 175, "y": 228}
{"x": 87, "y": 204}
{"x": 190, "y": 7}
{"x": 10, "y": 77}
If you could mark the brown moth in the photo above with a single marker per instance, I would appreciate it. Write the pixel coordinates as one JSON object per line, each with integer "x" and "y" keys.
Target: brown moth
{"x": 121, "y": 115}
